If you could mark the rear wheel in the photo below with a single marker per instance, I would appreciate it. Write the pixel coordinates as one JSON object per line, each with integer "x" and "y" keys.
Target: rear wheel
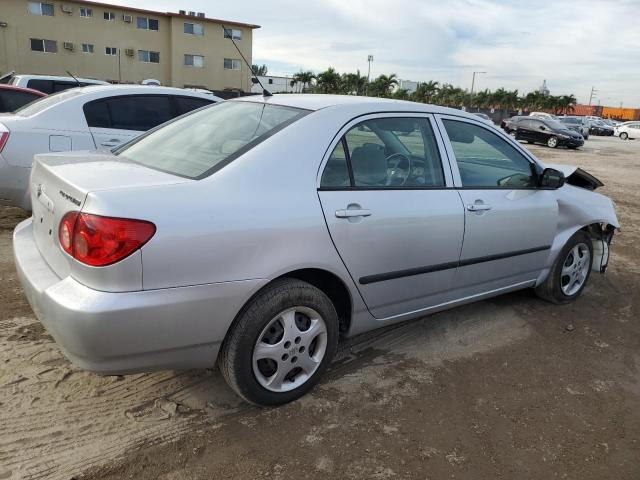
{"x": 552, "y": 142}
{"x": 281, "y": 343}
{"x": 624, "y": 135}
{"x": 570, "y": 272}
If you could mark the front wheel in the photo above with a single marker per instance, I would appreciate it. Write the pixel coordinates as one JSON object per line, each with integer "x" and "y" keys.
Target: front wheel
{"x": 280, "y": 344}
{"x": 570, "y": 272}
{"x": 624, "y": 135}
{"x": 552, "y": 142}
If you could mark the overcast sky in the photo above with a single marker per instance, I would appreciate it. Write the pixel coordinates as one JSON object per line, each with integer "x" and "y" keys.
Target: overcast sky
{"x": 574, "y": 45}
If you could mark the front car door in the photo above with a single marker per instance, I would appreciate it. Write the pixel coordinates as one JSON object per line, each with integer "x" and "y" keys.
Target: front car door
{"x": 509, "y": 222}
{"x": 394, "y": 222}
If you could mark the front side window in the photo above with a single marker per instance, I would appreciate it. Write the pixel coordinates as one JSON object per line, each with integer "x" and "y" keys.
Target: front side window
{"x": 86, "y": 13}
{"x": 41, "y": 45}
{"x": 233, "y": 33}
{"x": 39, "y": 8}
{"x": 487, "y": 161}
{"x": 232, "y": 64}
{"x": 87, "y": 48}
{"x": 109, "y": 16}
{"x": 200, "y": 143}
{"x": 386, "y": 153}
{"x": 194, "y": 60}
{"x": 148, "y": 57}
{"x": 193, "y": 28}
{"x": 110, "y": 51}
{"x": 145, "y": 23}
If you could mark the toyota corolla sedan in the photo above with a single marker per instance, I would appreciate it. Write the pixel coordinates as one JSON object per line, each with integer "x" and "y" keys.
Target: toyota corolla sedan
{"x": 257, "y": 232}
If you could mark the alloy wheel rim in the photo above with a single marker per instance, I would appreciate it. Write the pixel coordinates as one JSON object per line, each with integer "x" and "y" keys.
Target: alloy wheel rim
{"x": 575, "y": 269}
{"x": 553, "y": 142}
{"x": 289, "y": 349}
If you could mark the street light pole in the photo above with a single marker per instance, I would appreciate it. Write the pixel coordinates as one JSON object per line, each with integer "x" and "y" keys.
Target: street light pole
{"x": 473, "y": 82}
{"x": 369, "y": 59}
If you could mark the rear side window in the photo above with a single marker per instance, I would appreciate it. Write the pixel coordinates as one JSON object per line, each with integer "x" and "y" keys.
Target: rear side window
{"x": 188, "y": 104}
{"x": 45, "y": 86}
{"x": 131, "y": 112}
{"x": 201, "y": 143}
{"x": 10, "y": 100}
{"x": 386, "y": 153}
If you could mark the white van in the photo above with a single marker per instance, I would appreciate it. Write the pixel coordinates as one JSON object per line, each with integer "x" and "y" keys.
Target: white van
{"x": 51, "y": 84}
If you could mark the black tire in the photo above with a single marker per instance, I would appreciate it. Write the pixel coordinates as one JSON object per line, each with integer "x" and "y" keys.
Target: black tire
{"x": 552, "y": 141}
{"x": 236, "y": 353}
{"x": 530, "y": 142}
{"x": 624, "y": 135}
{"x": 551, "y": 289}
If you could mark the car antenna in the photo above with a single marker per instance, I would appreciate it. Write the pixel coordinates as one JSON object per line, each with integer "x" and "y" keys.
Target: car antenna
{"x": 265, "y": 92}
{"x": 71, "y": 75}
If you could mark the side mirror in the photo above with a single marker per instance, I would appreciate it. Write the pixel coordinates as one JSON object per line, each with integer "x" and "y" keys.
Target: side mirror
{"x": 551, "y": 179}
{"x": 542, "y": 127}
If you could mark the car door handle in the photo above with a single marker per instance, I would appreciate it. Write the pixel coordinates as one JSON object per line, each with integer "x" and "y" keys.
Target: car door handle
{"x": 351, "y": 213}
{"x": 477, "y": 207}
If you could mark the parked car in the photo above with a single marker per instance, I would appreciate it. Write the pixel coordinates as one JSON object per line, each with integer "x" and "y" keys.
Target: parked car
{"x": 598, "y": 127}
{"x": 578, "y": 124}
{"x": 50, "y": 83}
{"x": 509, "y": 125}
{"x": 549, "y": 132}
{"x": 257, "y": 232}
{"x": 13, "y": 98}
{"x": 629, "y": 130}
{"x": 82, "y": 119}
{"x": 544, "y": 116}
{"x": 486, "y": 118}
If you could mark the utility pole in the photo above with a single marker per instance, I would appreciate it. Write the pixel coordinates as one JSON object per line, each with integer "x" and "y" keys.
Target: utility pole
{"x": 369, "y": 59}
{"x": 593, "y": 94}
{"x": 473, "y": 82}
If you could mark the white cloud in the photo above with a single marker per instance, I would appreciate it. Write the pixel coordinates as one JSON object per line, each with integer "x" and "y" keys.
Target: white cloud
{"x": 574, "y": 44}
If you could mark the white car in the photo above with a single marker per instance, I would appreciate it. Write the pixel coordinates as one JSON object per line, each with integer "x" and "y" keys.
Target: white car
{"x": 628, "y": 130}
{"x": 86, "y": 118}
{"x": 544, "y": 116}
{"x": 50, "y": 83}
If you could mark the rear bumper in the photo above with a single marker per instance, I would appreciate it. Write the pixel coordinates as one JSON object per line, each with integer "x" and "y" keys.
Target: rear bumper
{"x": 14, "y": 183}
{"x": 128, "y": 332}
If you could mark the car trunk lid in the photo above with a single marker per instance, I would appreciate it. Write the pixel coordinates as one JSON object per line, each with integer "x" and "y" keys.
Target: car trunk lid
{"x": 60, "y": 184}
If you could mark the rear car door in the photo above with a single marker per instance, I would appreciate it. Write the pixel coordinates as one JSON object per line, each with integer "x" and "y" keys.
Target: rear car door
{"x": 509, "y": 222}
{"x": 394, "y": 222}
{"x": 116, "y": 120}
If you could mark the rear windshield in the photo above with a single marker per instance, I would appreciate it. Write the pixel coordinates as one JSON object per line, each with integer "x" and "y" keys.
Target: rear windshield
{"x": 200, "y": 143}
{"x": 43, "y": 103}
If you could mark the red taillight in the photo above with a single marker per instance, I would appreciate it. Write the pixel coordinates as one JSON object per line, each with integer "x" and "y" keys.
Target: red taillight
{"x": 4, "y": 137}
{"x": 100, "y": 241}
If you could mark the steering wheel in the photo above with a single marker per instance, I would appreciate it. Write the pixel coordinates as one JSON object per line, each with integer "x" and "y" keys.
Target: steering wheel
{"x": 395, "y": 171}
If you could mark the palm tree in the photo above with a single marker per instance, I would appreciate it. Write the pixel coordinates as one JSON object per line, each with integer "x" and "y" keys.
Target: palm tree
{"x": 426, "y": 92}
{"x": 385, "y": 84}
{"x": 260, "y": 70}
{"x": 328, "y": 81}
{"x": 353, "y": 83}
{"x": 303, "y": 79}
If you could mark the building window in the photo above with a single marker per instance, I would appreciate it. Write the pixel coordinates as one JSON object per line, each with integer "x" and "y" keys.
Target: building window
{"x": 233, "y": 33}
{"x": 87, "y": 48}
{"x": 86, "y": 13}
{"x": 194, "y": 60}
{"x": 145, "y": 23}
{"x": 110, "y": 51}
{"x": 148, "y": 57}
{"x": 193, "y": 28}
{"x": 109, "y": 16}
{"x": 232, "y": 64}
{"x": 47, "y": 46}
{"x": 271, "y": 81}
{"x": 39, "y": 8}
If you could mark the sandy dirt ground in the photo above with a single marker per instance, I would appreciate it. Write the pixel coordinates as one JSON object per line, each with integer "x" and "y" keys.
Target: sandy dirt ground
{"x": 508, "y": 388}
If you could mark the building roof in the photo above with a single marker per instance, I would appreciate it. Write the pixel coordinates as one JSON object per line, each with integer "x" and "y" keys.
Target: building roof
{"x": 166, "y": 14}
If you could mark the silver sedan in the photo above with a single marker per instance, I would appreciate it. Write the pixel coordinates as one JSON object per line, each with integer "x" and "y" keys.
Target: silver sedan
{"x": 258, "y": 232}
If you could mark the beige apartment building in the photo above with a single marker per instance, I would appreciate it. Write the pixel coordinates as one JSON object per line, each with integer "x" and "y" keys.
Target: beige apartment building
{"x": 125, "y": 45}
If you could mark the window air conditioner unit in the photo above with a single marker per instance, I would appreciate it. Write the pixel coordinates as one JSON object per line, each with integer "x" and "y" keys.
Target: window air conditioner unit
{"x": 127, "y": 18}
{"x": 182, "y": 12}
{"x": 66, "y": 9}
{"x": 129, "y": 52}
{"x": 192, "y": 14}
{"x": 68, "y": 46}
{"x": 201, "y": 14}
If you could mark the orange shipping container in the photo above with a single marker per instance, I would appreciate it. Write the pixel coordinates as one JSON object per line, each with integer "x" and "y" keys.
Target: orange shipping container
{"x": 584, "y": 110}
{"x": 621, "y": 113}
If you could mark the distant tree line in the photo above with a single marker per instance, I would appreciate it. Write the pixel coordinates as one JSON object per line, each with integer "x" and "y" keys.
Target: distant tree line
{"x": 330, "y": 81}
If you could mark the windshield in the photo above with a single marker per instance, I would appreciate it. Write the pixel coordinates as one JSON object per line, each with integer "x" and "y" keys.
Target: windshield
{"x": 198, "y": 144}
{"x": 43, "y": 103}
{"x": 570, "y": 120}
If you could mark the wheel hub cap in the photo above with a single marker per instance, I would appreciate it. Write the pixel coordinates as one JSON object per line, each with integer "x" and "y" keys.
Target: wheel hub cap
{"x": 575, "y": 269}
